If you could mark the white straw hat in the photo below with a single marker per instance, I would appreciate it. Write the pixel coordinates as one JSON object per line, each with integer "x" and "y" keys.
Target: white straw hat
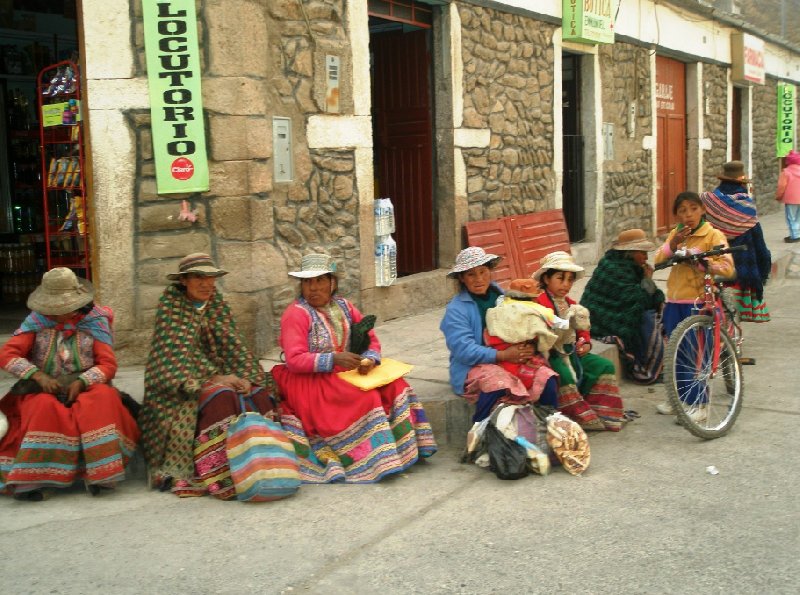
{"x": 558, "y": 261}
{"x": 314, "y": 265}
{"x": 60, "y": 292}
{"x": 472, "y": 257}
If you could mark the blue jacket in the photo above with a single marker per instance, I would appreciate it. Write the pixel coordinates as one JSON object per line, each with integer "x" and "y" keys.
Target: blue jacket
{"x": 463, "y": 333}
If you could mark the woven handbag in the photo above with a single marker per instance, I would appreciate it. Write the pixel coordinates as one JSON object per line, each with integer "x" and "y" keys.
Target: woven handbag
{"x": 261, "y": 457}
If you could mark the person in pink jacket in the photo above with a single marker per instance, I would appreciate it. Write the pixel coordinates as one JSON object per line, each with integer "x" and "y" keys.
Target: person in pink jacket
{"x": 789, "y": 194}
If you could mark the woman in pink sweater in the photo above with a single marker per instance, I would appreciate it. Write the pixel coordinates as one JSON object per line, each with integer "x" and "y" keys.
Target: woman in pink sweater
{"x": 789, "y": 194}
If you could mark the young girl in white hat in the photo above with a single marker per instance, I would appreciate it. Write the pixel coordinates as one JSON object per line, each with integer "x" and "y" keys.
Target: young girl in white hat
{"x": 588, "y": 391}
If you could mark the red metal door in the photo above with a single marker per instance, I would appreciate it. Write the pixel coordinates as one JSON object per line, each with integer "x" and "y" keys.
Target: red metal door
{"x": 671, "y": 123}
{"x": 401, "y": 102}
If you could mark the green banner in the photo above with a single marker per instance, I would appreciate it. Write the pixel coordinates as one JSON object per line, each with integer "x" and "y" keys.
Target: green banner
{"x": 176, "y": 104}
{"x": 587, "y": 21}
{"x": 787, "y": 118}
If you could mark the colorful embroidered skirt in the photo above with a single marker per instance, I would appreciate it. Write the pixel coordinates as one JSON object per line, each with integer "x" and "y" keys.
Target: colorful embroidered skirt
{"x": 342, "y": 433}
{"x": 51, "y": 445}
{"x": 595, "y": 402}
{"x": 750, "y": 308}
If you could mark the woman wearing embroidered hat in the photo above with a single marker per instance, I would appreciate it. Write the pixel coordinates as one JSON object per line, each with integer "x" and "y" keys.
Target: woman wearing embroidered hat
{"x": 731, "y": 210}
{"x": 626, "y": 306}
{"x": 66, "y": 423}
{"x": 484, "y": 369}
{"x": 197, "y": 368}
{"x": 588, "y": 391}
{"x": 341, "y": 432}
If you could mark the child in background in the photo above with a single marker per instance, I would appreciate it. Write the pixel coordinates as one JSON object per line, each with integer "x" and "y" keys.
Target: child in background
{"x": 592, "y": 399}
{"x": 685, "y": 283}
{"x": 788, "y": 192}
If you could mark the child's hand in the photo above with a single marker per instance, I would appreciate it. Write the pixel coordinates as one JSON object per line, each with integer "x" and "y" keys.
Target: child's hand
{"x": 679, "y": 237}
{"x": 582, "y": 347}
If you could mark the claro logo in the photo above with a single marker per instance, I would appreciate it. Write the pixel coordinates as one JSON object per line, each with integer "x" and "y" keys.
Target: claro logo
{"x": 182, "y": 168}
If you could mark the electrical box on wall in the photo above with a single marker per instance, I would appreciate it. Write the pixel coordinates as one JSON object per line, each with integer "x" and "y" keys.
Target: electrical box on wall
{"x": 608, "y": 141}
{"x": 332, "y": 66}
{"x": 282, "y": 149}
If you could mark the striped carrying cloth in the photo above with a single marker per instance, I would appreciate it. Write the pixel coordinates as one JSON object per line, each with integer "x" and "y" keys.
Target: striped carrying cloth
{"x": 263, "y": 463}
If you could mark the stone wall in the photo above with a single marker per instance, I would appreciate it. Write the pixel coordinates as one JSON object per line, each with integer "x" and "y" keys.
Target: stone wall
{"x": 628, "y": 178}
{"x": 508, "y": 88}
{"x": 715, "y": 122}
{"x": 258, "y": 60}
{"x": 766, "y": 166}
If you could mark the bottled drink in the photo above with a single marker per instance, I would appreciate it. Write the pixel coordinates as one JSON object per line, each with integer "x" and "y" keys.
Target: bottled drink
{"x": 385, "y": 261}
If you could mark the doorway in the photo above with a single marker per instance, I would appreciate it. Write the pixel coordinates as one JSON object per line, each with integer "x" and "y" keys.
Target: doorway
{"x": 671, "y": 126}
{"x": 33, "y": 35}
{"x": 572, "y": 188}
{"x": 736, "y": 125}
{"x": 402, "y": 120}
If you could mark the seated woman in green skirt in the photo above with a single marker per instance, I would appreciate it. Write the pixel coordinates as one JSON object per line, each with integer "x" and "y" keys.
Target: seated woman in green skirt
{"x": 588, "y": 390}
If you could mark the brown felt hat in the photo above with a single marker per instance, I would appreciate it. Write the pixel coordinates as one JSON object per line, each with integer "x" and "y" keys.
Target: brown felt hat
{"x": 633, "y": 240}
{"x": 733, "y": 171}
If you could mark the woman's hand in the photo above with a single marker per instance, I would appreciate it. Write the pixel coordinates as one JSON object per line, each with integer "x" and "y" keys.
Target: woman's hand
{"x": 48, "y": 384}
{"x": 76, "y": 388}
{"x": 346, "y": 360}
{"x": 517, "y": 353}
{"x": 648, "y": 270}
{"x": 233, "y": 382}
{"x": 366, "y": 365}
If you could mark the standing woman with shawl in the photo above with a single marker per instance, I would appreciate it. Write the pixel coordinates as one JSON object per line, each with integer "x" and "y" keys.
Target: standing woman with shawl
{"x": 626, "y": 306}
{"x": 341, "y": 432}
{"x": 65, "y": 422}
{"x": 731, "y": 209}
{"x": 197, "y": 368}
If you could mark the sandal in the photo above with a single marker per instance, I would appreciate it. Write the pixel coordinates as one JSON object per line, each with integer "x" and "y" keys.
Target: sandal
{"x": 30, "y": 496}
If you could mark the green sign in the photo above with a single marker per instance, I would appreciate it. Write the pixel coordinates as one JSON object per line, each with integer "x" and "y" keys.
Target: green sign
{"x": 587, "y": 21}
{"x": 787, "y": 120}
{"x": 176, "y": 106}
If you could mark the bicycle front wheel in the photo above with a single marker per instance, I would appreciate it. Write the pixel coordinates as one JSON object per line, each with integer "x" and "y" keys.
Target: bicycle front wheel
{"x": 707, "y": 401}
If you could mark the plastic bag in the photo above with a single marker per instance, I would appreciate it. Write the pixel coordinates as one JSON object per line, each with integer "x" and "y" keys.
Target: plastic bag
{"x": 569, "y": 442}
{"x": 507, "y": 459}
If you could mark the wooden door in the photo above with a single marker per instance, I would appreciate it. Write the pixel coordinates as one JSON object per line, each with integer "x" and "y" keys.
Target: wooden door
{"x": 402, "y": 117}
{"x": 671, "y": 125}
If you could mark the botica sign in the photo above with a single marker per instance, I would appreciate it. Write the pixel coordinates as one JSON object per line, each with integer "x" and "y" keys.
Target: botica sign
{"x": 587, "y": 21}
{"x": 176, "y": 106}
{"x": 747, "y": 59}
{"x": 787, "y": 121}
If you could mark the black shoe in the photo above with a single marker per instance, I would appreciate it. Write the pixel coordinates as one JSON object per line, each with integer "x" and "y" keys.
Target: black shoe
{"x": 30, "y": 496}
{"x": 791, "y": 240}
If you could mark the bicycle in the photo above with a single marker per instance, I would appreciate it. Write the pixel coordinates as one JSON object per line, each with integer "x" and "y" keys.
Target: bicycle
{"x": 702, "y": 360}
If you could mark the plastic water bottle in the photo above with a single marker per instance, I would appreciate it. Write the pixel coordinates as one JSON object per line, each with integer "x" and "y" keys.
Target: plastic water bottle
{"x": 388, "y": 213}
{"x": 385, "y": 261}
{"x": 384, "y": 216}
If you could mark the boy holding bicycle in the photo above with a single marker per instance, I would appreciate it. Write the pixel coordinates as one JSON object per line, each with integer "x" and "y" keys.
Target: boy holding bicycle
{"x": 693, "y": 234}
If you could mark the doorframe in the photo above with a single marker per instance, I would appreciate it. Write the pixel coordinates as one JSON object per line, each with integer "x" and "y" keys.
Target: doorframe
{"x": 591, "y": 127}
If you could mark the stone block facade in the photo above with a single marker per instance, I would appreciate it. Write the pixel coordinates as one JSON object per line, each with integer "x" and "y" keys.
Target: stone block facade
{"x": 628, "y": 176}
{"x": 715, "y": 122}
{"x": 508, "y": 88}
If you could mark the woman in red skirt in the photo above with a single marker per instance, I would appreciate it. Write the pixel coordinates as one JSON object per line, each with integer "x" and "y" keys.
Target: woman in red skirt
{"x": 65, "y": 423}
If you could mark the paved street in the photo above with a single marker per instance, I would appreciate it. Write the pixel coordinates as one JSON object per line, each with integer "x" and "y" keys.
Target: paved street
{"x": 646, "y": 517}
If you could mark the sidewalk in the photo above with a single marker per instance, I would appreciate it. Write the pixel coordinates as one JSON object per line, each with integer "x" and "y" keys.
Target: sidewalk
{"x": 418, "y": 341}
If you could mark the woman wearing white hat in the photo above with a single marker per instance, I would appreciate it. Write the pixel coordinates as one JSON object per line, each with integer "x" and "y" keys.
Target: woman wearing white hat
{"x": 66, "y": 423}
{"x": 481, "y": 369}
{"x": 592, "y": 398}
{"x": 341, "y": 432}
{"x": 626, "y": 306}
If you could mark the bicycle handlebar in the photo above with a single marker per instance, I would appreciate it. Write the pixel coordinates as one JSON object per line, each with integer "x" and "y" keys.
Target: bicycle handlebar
{"x": 716, "y": 251}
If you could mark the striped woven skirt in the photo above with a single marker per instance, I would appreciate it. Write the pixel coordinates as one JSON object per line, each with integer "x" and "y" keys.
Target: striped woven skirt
{"x": 51, "y": 445}
{"x": 750, "y": 308}
{"x": 342, "y": 433}
{"x": 594, "y": 401}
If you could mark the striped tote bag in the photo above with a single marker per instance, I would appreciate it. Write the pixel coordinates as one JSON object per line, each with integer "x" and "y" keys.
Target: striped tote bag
{"x": 262, "y": 459}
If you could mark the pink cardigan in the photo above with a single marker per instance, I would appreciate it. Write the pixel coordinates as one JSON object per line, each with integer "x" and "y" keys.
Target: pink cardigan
{"x": 788, "y": 191}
